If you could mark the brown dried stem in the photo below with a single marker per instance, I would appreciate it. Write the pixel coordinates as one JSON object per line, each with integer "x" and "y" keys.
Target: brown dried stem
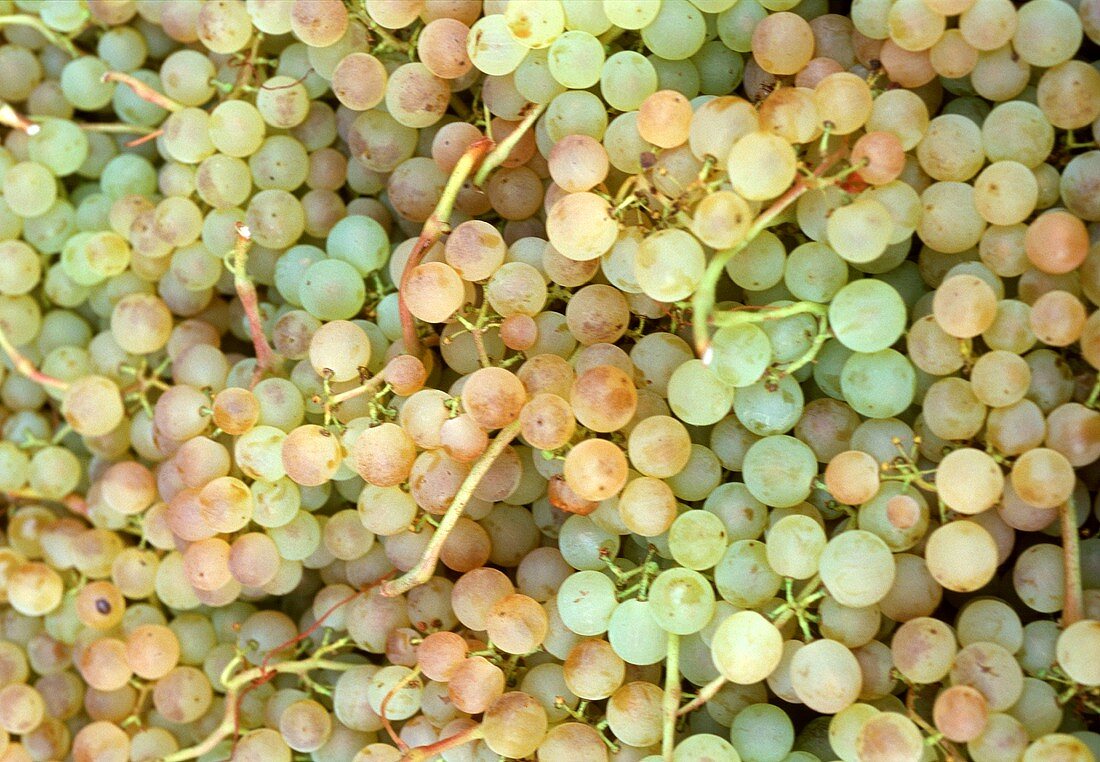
{"x": 1073, "y": 607}
{"x": 424, "y": 753}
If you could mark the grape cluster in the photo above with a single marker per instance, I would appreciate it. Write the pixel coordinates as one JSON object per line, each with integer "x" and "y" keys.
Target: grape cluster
{"x": 552, "y": 380}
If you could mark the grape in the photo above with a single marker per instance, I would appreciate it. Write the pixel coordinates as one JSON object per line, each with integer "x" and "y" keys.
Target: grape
{"x": 746, "y": 647}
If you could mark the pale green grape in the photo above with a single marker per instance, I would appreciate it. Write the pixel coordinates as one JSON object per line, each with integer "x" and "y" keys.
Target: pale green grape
{"x": 760, "y": 265}
{"x": 60, "y": 146}
{"x": 492, "y": 47}
{"x": 332, "y": 289}
{"x": 762, "y": 733}
{"x": 867, "y": 315}
{"x": 29, "y": 188}
{"x": 534, "y": 24}
{"x": 743, "y": 576}
{"x": 794, "y": 546}
{"x": 631, "y": 14}
{"x": 627, "y": 79}
{"x": 634, "y": 633}
{"x": 779, "y": 470}
{"x": 857, "y": 568}
{"x": 878, "y": 384}
{"x": 746, "y": 648}
{"x": 681, "y": 601}
{"x": 768, "y": 407}
{"x": 669, "y": 265}
{"x": 575, "y": 60}
{"x": 740, "y": 354}
{"x": 677, "y": 31}
{"x": 697, "y": 539}
{"x": 703, "y": 746}
{"x": 814, "y": 272}
{"x": 743, "y": 515}
{"x": 860, "y": 231}
{"x": 586, "y": 602}
{"x": 697, "y": 395}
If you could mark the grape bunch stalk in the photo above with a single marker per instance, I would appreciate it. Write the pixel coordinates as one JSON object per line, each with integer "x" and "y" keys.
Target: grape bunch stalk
{"x": 549, "y": 380}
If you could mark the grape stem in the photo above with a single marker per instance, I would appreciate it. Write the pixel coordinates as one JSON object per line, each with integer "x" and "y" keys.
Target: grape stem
{"x": 482, "y": 155}
{"x": 710, "y": 690}
{"x": 9, "y": 117}
{"x": 26, "y": 367}
{"x": 1073, "y": 607}
{"x": 60, "y": 40}
{"x": 500, "y": 153}
{"x": 434, "y": 227}
{"x": 142, "y": 90}
{"x": 949, "y": 750}
{"x": 424, "y": 753}
{"x": 408, "y": 679}
{"x": 703, "y": 300}
{"x": 246, "y": 291}
{"x": 425, "y": 567}
{"x": 672, "y": 695}
{"x": 235, "y": 686}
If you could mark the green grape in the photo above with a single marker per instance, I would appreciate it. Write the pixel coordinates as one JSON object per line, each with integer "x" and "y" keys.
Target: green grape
{"x": 60, "y": 146}
{"x": 697, "y": 395}
{"x": 83, "y": 84}
{"x": 626, "y": 79}
{"x": 736, "y": 24}
{"x": 492, "y": 47}
{"x": 703, "y": 746}
{"x": 586, "y": 602}
{"x": 720, "y": 69}
{"x": 575, "y": 112}
{"x": 878, "y": 384}
{"x": 743, "y": 576}
{"x": 534, "y": 80}
{"x": 669, "y": 265}
{"x": 360, "y": 241}
{"x": 746, "y": 648}
{"x": 739, "y": 354}
{"x": 681, "y": 601}
{"x": 762, "y": 733}
{"x": 575, "y": 60}
{"x": 779, "y": 470}
{"x": 794, "y": 546}
{"x": 697, "y": 539}
{"x": 857, "y": 568}
{"x": 584, "y": 545}
{"x": 332, "y": 289}
{"x": 635, "y": 635}
{"x": 814, "y": 272}
{"x": 29, "y": 189}
{"x": 766, "y": 407}
{"x": 677, "y": 31}
{"x": 867, "y": 315}
{"x": 535, "y": 24}
{"x": 743, "y": 515}
{"x": 631, "y": 14}
{"x": 760, "y": 265}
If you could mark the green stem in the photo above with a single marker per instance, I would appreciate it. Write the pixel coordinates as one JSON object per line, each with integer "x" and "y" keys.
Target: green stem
{"x": 236, "y": 685}
{"x": 671, "y": 697}
{"x": 60, "y": 40}
{"x": 504, "y": 147}
{"x": 425, "y": 567}
{"x": 703, "y": 300}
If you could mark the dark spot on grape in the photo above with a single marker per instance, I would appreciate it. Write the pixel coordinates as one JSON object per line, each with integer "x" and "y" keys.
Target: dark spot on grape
{"x": 103, "y": 606}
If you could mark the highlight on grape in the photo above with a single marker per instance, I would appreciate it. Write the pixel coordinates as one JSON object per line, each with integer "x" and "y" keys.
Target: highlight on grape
{"x": 549, "y": 380}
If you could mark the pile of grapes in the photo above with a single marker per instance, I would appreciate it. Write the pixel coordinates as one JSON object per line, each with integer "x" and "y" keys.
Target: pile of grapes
{"x": 550, "y": 380}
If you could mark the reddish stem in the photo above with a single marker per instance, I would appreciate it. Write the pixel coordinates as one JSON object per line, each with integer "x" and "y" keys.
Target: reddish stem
{"x": 434, "y": 227}
{"x": 142, "y": 90}
{"x": 246, "y": 291}
{"x": 421, "y": 753}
